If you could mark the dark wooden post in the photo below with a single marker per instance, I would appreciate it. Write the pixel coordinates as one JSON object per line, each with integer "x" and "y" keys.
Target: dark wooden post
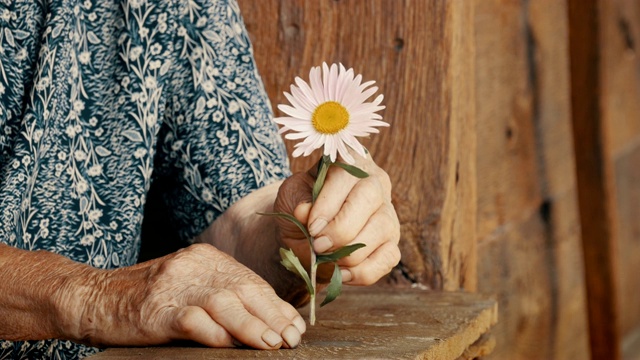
{"x": 594, "y": 179}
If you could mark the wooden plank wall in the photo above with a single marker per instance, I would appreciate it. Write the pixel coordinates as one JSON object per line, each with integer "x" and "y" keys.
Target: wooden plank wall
{"x": 528, "y": 226}
{"x": 422, "y": 58}
{"x": 595, "y": 180}
{"x": 487, "y": 202}
{"x": 620, "y": 103}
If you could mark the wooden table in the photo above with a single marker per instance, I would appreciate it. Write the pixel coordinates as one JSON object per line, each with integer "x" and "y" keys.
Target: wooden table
{"x": 368, "y": 323}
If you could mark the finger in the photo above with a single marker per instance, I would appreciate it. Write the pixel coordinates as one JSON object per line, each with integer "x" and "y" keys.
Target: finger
{"x": 288, "y": 229}
{"x": 263, "y": 306}
{"x": 380, "y": 263}
{"x": 302, "y": 212}
{"x": 226, "y": 308}
{"x": 361, "y": 204}
{"x": 379, "y": 229}
{"x": 194, "y": 323}
{"x": 337, "y": 187}
{"x": 289, "y": 311}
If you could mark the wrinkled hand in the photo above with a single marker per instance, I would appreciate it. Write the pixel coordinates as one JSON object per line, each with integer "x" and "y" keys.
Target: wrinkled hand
{"x": 199, "y": 294}
{"x": 348, "y": 211}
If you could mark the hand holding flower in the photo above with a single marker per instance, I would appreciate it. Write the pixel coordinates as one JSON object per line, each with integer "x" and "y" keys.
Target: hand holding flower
{"x": 349, "y": 211}
{"x": 347, "y": 208}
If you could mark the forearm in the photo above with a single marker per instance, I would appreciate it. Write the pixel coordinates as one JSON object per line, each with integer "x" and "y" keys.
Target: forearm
{"x": 32, "y": 304}
{"x": 252, "y": 239}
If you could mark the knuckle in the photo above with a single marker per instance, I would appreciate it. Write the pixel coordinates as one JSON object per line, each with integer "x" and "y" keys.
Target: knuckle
{"x": 395, "y": 257}
{"x": 186, "y": 320}
{"x": 385, "y": 179}
{"x": 354, "y": 259}
{"x": 171, "y": 267}
{"x": 222, "y": 301}
{"x": 342, "y": 233}
{"x": 367, "y": 278}
{"x": 372, "y": 190}
{"x": 200, "y": 249}
{"x": 277, "y": 321}
{"x": 389, "y": 259}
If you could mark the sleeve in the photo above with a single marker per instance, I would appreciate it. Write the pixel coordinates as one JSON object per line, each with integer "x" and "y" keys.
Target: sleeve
{"x": 218, "y": 141}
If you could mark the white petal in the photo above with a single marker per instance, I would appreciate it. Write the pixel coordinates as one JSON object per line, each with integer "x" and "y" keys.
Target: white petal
{"x": 316, "y": 144}
{"x": 303, "y": 99}
{"x": 353, "y": 143}
{"x": 353, "y": 89}
{"x": 296, "y": 103}
{"x": 297, "y": 152}
{"x": 311, "y": 143}
{"x": 344, "y": 82}
{"x": 285, "y": 120}
{"x": 333, "y": 81}
{"x": 300, "y": 126}
{"x": 316, "y": 84}
{"x": 360, "y": 98}
{"x": 331, "y": 147}
{"x": 298, "y": 135}
{"x": 377, "y": 123}
{"x": 359, "y": 132}
{"x": 325, "y": 81}
{"x": 366, "y": 108}
{"x": 294, "y": 112}
{"x": 366, "y": 85}
{"x": 344, "y": 152}
{"x": 304, "y": 87}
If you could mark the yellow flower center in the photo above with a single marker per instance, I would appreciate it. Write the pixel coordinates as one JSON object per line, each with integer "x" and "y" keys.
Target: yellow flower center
{"x": 330, "y": 117}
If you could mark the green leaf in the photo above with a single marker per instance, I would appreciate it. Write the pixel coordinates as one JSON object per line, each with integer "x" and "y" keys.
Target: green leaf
{"x": 292, "y": 263}
{"x": 357, "y": 172}
{"x": 292, "y": 219}
{"x": 325, "y": 162}
{"x": 335, "y": 286}
{"x": 338, "y": 254}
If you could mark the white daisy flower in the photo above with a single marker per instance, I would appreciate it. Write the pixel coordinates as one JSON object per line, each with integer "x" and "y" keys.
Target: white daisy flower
{"x": 331, "y": 112}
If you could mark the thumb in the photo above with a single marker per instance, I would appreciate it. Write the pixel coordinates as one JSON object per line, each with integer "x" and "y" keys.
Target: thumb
{"x": 293, "y": 192}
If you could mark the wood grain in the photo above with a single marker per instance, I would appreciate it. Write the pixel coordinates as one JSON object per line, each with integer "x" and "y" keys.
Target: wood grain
{"x": 595, "y": 179}
{"x": 529, "y": 249}
{"x": 421, "y": 58}
{"x": 620, "y": 102}
{"x": 367, "y": 324}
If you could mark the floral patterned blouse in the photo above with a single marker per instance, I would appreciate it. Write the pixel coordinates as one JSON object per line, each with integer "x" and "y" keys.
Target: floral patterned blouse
{"x": 101, "y": 100}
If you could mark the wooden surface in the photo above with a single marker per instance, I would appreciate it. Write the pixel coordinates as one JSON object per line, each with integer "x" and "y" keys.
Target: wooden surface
{"x": 370, "y": 323}
{"x": 595, "y": 179}
{"x": 620, "y": 102}
{"x": 529, "y": 250}
{"x": 422, "y": 59}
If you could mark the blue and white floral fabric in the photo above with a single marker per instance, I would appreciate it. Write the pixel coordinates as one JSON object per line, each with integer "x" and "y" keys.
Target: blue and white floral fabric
{"x": 102, "y": 99}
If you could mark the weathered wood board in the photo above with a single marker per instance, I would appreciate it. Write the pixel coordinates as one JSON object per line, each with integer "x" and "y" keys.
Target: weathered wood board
{"x": 368, "y": 324}
{"x": 529, "y": 250}
{"x": 620, "y": 102}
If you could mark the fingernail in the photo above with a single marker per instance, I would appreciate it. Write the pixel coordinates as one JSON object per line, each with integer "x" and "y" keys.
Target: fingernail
{"x": 299, "y": 323}
{"x": 346, "y": 275}
{"x": 291, "y": 336}
{"x": 317, "y": 226}
{"x": 322, "y": 244}
{"x": 237, "y": 343}
{"x": 271, "y": 338}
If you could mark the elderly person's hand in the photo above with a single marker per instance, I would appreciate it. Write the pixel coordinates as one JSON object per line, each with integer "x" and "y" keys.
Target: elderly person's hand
{"x": 348, "y": 211}
{"x": 198, "y": 293}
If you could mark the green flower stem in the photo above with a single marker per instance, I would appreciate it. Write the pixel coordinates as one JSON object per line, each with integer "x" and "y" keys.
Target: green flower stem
{"x": 292, "y": 263}
{"x": 325, "y": 163}
{"x": 312, "y": 305}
